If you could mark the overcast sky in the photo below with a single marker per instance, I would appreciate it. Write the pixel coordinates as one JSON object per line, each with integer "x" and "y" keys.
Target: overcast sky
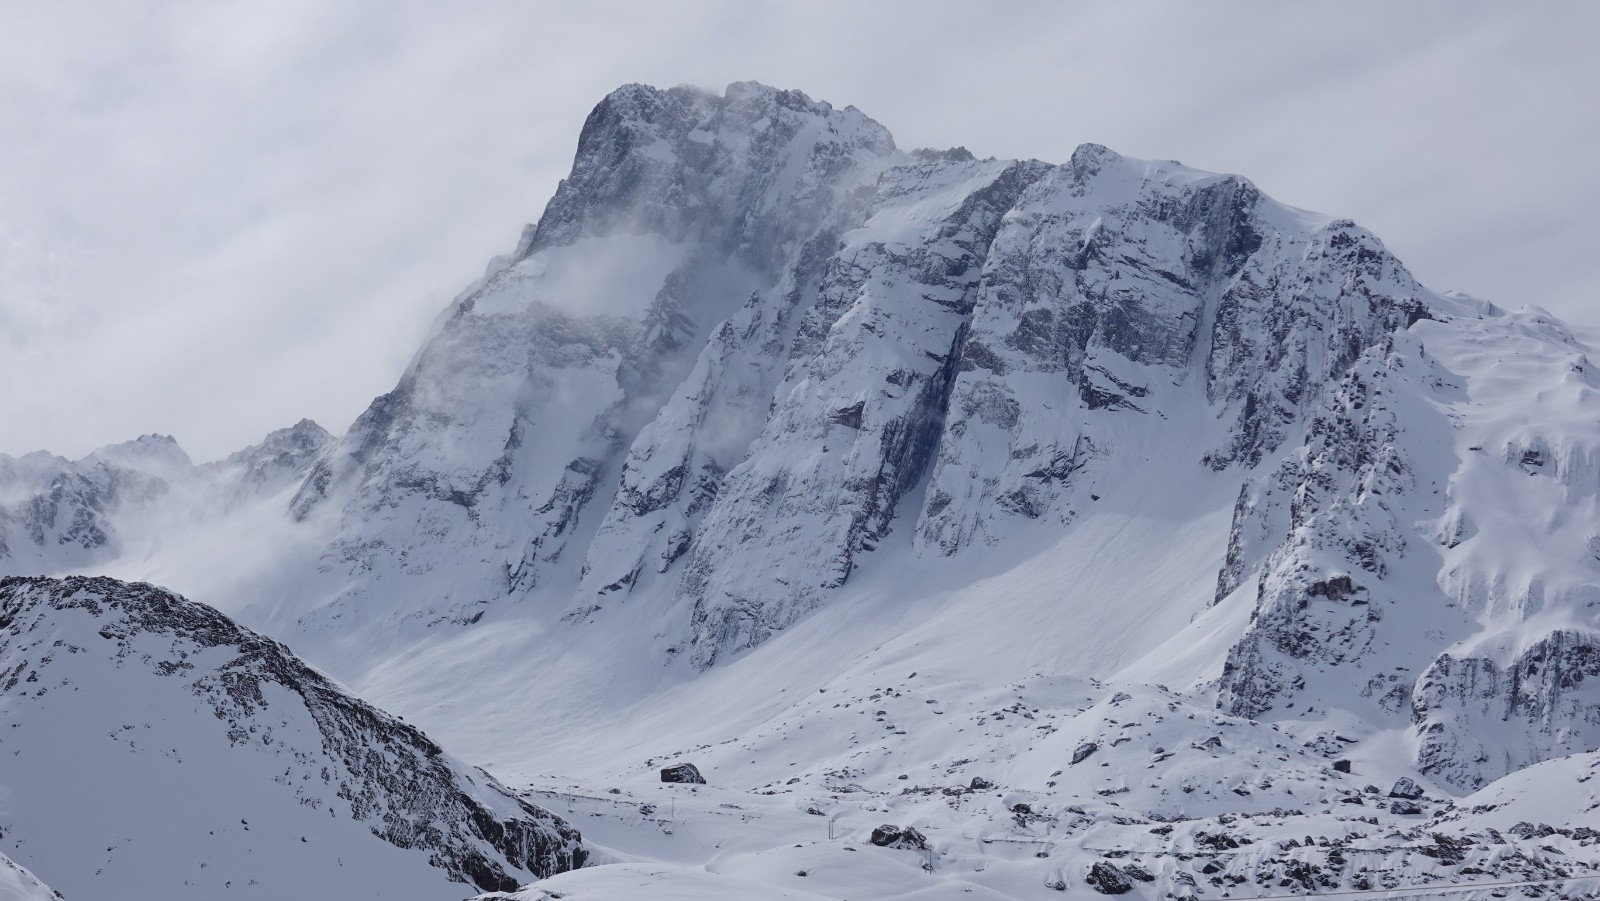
{"x": 216, "y": 218}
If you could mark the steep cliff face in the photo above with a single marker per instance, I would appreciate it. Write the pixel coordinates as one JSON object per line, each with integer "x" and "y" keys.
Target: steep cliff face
{"x": 1080, "y": 316}
{"x": 515, "y": 417}
{"x": 1421, "y": 547}
{"x": 1478, "y": 719}
{"x": 1294, "y": 321}
{"x": 856, "y": 420}
{"x": 147, "y": 736}
{"x": 1329, "y": 527}
{"x": 1094, "y": 301}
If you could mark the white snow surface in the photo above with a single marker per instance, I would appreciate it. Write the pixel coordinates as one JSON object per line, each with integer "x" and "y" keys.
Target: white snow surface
{"x": 850, "y": 474}
{"x": 17, "y": 884}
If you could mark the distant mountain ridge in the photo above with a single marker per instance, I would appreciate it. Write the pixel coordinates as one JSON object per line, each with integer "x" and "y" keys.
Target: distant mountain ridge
{"x": 59, "y": 515}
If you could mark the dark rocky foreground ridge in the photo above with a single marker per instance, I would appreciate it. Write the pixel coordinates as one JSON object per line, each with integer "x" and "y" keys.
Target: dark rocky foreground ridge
{"x": 188, "y": 676}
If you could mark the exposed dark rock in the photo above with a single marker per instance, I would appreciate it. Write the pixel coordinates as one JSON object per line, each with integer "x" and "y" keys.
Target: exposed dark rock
{"x": 1083, "y": 751}
{"x": 1138, "y": 872}
{"x": 1550, "y": 690}
{"x": 849, "y": 417}
{"x": 1215, "y": 841}
{"x": 1335, "y": 589}
{"x": 1526, "y": 830}
{"x": 685, "y": 773}
{"x": 1406, "y": 787}
{"x": 904, "y": 837}
{"x": 1447, "y": 849}
{"x": 1107, "y": 878}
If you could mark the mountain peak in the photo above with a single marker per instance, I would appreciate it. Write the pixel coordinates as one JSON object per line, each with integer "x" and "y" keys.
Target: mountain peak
{"x": 305, "y": 434}
{"x": 1090, "y": 154}
{"x": 677, "y": 160}
{"x": 155, "y": 453}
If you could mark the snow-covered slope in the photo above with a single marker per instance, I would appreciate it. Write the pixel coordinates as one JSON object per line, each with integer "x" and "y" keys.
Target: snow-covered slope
{"x": 765, "y": 414}
{"x": 156, "y": 750}
{"x": 17, "y": 884}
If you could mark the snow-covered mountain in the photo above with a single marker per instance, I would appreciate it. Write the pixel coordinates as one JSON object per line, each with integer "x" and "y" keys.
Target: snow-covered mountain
{"x": 801, "y": 340}
{"x": 766, "y": 413}
{"x": 55, "y": 514}
{"x": 59, "y": 515}
{"x": 156, "y": 750}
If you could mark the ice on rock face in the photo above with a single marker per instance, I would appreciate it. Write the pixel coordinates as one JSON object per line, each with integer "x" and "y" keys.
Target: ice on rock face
{"x": 1089, "y": 294}
{"x": 1478, "y": 718}
{"x": 1091, "y": 301}
{"x": 1374, "y": 569}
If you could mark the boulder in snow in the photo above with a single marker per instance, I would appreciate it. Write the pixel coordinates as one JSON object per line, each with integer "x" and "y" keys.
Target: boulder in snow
{"x": 1406, "y": 787}
{"x": 904, "y": 837}
{"x": 1107, "y": 878}
{"x": 686, "y": 773}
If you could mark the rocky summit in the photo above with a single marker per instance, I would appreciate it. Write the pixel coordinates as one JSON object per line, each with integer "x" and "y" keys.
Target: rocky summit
{"x": 1105, "y": 524}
